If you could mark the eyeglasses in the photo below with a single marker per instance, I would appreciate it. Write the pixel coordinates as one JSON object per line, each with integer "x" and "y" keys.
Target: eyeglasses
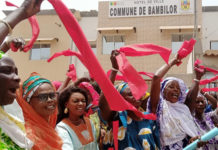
{"x": 44, "y": 97}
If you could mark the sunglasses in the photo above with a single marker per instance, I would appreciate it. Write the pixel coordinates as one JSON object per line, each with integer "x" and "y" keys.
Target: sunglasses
{"x": 44, "y": 97}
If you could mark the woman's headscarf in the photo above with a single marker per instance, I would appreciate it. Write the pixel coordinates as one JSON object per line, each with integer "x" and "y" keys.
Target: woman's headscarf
{"x": 175, "y": 119}
{"x": 182, "y": 86}
{"x": 41, "y": 132}
{"x": 32, "y": 84}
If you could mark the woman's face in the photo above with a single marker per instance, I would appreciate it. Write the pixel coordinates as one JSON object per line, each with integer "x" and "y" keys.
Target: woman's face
{"x": 127, "y": 95}
{"x": 200, "y": 104}
{"x": 172, "y": 91}
{"x": 44, "y": 100}
{"x": 76, "y": 104}
{"x": 9, "y": 81}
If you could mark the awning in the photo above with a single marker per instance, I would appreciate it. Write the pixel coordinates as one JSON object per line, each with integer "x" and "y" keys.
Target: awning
{"x": 44, "y": 40}
{"x": 116, "y": 29}
{"x": 191, "y": 27}
{"x": 211, "y": 53}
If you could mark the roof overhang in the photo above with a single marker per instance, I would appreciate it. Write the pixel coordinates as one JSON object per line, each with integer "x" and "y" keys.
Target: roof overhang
{"x": 44, "y": 40}
{"x": 211, "y": 53}
{"x": 191, "y": 27}
{"x": 117, "y": 29}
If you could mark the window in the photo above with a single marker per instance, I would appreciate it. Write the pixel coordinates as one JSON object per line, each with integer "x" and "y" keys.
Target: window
{"x": 212, "y": 84}
{"x": 112, "y": 42}
{"x": 214, "y": 45}
{"x": 94, "y": 49}
{"x": 40, "y": 52}
{"x": 177, "y": 41}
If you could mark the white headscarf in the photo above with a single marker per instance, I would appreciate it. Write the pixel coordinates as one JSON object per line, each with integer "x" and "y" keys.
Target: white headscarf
{"x": 175, "y": 119}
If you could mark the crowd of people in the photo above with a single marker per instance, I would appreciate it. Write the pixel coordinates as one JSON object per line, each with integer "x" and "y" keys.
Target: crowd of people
{"x": 73, "y": 116}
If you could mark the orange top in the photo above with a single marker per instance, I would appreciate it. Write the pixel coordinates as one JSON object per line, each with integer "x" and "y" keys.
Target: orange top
{"x": 41, "y": 132}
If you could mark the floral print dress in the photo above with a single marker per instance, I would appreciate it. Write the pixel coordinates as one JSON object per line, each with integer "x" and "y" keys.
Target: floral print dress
{"x": 205, "y": 125}
{"x": 134, "y": 135}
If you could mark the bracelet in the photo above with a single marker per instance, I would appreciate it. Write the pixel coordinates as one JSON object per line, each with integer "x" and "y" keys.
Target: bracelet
{"x": 196, "y": 80}
{"x": 205, "y": 93}
{"x": 7, "y": 24}
{"x": 114, "y": 69}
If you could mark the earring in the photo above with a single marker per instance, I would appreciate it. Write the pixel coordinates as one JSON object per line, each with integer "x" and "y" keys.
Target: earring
{"x": 66, "y": 110}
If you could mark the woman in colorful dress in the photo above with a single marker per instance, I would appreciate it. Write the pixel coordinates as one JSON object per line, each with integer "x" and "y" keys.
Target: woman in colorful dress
{"x": 38, "y": 100}
{"x": 205, "y": 122}
{"x": 134, "y": 133}
{"x": 75, "y": 130}
{"x": 177, "y": 126}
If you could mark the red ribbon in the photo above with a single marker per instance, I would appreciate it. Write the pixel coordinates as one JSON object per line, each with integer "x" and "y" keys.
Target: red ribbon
{"x": 136, "y": 83}
{"x": 115, "y": 100}
{"x": 210, "y": 89}
{"x": 72, "y": 72}
{"x": 35, "y": 31}
{"x": 206, "y": 81}
{"x": 198, "y": 62}
{"x": 120, "y": 77}
{"x": 115, "y": 133}
{"x": 66, "y": 53}
{"x": 146, "y": 49}
{"x": 186, "y": 49}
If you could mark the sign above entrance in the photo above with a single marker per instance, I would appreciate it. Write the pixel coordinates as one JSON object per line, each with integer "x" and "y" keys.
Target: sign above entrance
{"x": 137, "y": 8}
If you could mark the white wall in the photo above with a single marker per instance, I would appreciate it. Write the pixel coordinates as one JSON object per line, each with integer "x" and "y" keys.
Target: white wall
{"x": 89, "y": 27}
{"x": 209, "y": 28}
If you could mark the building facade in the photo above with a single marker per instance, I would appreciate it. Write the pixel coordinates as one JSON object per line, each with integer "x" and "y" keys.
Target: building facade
{"x": 210, "y": 40}
{"x": 163, "y": 22}
{"x": 53, "y": 38}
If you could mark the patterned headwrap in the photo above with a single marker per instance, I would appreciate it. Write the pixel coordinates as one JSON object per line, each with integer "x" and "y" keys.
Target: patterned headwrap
{"x": 123, "y": 85}
{"x": 32, "y": 84}
{"x": 1, "y": 54}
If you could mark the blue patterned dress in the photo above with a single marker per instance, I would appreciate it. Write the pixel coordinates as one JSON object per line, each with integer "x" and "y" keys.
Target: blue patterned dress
{"x": 134, "y": 135}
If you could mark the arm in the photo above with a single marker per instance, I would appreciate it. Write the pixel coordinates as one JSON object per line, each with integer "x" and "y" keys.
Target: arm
{"x": 155, "y": 85}
{"x": 64, "y": 84}
{"x": 27, "y": 9}
{"x": 106, "y": 112}
{"x": 210, "y": 98}
{"x": 193, "y": 92}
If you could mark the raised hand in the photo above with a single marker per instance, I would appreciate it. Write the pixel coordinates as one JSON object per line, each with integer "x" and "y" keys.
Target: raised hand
{"x": 113, "y": 59}
{"x": 30, "y": 7}
{"x": 17, "y": 43}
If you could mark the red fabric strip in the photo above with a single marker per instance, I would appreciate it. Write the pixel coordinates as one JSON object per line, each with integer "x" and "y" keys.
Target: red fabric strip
{"x": 198, "y": 62}
{"x": 66, "y": 53}
{"x": 186, "y": 49}
{"x": 118, "y": 77}
{"x": 146, "y": 49}
{"x": 35, "y": 31}
{"x": 206, "y": 81}
{"x": 115, "y": 134}
{"x": 136, "y": 83}
{"x": 115, "y": 100}
{"x": 72, "y": 72}
{"x": 210, "y": 89}
{"x": 150, "y": 75}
